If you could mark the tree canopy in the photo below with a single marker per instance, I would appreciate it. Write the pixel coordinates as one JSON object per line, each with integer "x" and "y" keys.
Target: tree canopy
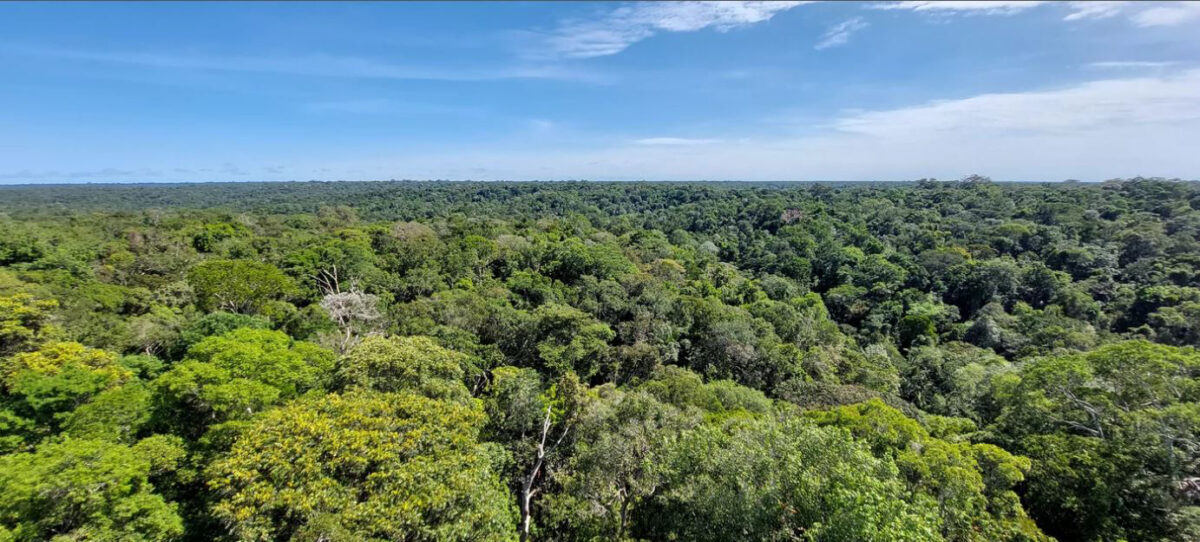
{"x": 960, "y": 361}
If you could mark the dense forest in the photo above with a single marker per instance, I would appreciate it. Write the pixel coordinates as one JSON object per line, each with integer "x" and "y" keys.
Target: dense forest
{"x": 431, "y": 361}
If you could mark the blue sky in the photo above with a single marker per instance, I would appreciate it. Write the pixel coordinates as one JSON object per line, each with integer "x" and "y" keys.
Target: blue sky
{"x": 158, "y": 92}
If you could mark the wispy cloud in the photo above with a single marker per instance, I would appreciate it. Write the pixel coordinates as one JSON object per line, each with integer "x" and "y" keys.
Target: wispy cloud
{"x": 674, "y": 141}
{"x": 619, "y": 28}
{"x": 384, "y": 106}
{"x": 1113, "y": 102}
{"x": 839, "y": 34}
{"x": 314, "y": 65}
{"x": 541, "y": 125}
{"x": 999, "y": 7}
{"x": 1172, "y": 14}
{"x": 1096, "y": 9}
{"x": 102, "y": 174}
{"x": 1142, "y": 14}
{"x": 1082, "y": 131}
{"x": 354, "y": 107}
{"x": 1132, "y": 64}
{"x": 1093, "y": 131}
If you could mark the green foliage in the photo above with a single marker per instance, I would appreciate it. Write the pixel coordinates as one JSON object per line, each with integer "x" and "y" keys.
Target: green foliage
{"x": 573, "y": 259}
{"x": 20, "y": 244}
{"x": 24, "y": 322}
{"x": 144, "y": 366}
{"x": 83, "y": 490}
{"x": 972, "y": 483}
{"x": 216, "y": 323}
{"x": 953, "y": 379}
{"x": 1110, "y": 432}
{"x": 268, "y": 356}
{"x": 568, "y": 340}
{"x": 515, "y": 403}
{"x": 369, "y": 465}
{"x": 618, "y": 462}
{"x": 242, "y": 286}
{"x": 45, "y": 385}
{"x": 114, "y": 415}
{"x": 683, "y": 388}
{"x": 768, "y": 480}
{"x": 414, "y": 364}
{"x": 638, "y": 361}
{"x": 236, "y": 375}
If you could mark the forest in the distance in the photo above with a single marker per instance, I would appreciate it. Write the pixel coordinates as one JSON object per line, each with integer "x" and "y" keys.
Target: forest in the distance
{"x": 963, "y": 361}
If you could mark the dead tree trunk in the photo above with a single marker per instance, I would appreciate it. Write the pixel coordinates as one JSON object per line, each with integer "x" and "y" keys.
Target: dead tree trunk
{"x": 528, "y": 491}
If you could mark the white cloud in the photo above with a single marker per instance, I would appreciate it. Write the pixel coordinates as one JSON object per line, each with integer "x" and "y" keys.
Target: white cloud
{"x": 1075, "y": 110}
{"x": 1118, "y": 127}
{"x": 839, "y": 34}
{"x": 1142, "y": 14}
{"x": 388, "y": 107}
{"x": 1112, "y": 127}
{"x": 619, "y": 28}
{"x": 1091, "y": 131}
{"x": 1132, "y": 64}
{"x": 674, "y": 141}
{"x": 1095, "y": 9}
{"x": 999, "y": 7}
{"x": 315, "y": 65}
{"x": 1172, "y": 14}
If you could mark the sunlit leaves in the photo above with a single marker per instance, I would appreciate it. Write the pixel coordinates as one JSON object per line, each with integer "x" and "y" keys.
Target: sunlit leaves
{"x": 378, "y": 465}
{"x": 84, "y": 490}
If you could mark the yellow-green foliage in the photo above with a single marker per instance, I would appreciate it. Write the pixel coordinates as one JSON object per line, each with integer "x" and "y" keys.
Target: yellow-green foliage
{"x": 389, "y": 466}
{"x": 24, "y": 321}
{"x": 416, "y": 364}
{"x": 57, "y": 358}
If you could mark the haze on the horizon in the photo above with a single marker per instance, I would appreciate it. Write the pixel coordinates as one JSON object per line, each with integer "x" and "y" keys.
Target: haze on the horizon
{"x": 102, "y": 92}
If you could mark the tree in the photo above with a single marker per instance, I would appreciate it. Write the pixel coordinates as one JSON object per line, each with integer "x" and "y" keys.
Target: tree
{"x": 213, "y": 324}
{"x": 728, "y": 343}
{"x": 24, "y": 322}
{"x": 761, "y": 479}
{"x": 416, "y": 364}
{"x": 953, "y": 379}
{"x": 1178, "y": 325}
{"x": 534, "y": 425}
{"x": 44, "y": 385}
{"x": 569, "y": 340}
{"x": 242, "y": 286}
{"x": 268, "y": 356}
{"x": 156, "y": 331}
{"x": 355, "y": 312}
{"x": 719, "y": 398}
{"x": 1112, "y": 433}
{"x": 83, "y": 490}
{"x": 616, "y": 463}
{"x": 972, "y": 484}
{"x": 235, "y": 376}
{"x": 115, "y": 415}
{"x": 371, "y": 465}
{"x": 786, "y": 363}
